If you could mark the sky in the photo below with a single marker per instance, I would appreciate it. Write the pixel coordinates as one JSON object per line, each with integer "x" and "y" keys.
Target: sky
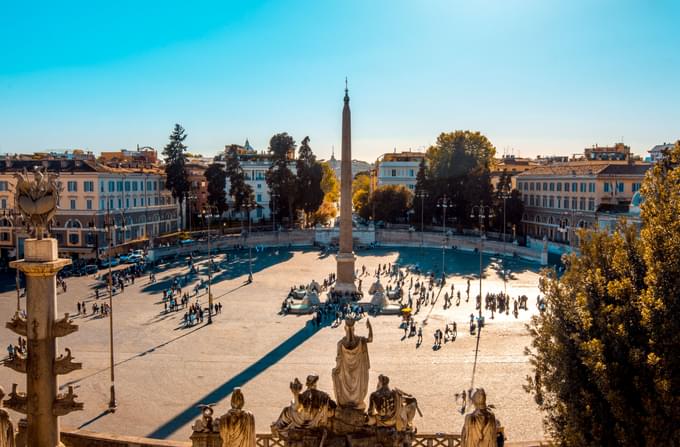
{"x": 536, "y": 77}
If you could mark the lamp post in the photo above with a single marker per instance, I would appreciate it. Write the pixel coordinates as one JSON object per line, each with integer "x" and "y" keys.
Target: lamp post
{"x": 422, "y": 195}
{"x": 505, "y": 197}
{"x": 249, "y": 206}
{"x": 444, "y": 202}
{"x": 481, "y": 211}
{"x": 208, "y": 214}
{"x": 273, "y": 196}
{"x": 111, "y": 227}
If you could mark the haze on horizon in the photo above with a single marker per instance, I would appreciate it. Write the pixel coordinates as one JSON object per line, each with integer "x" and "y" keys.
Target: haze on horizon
{"x": 535, "y": 76}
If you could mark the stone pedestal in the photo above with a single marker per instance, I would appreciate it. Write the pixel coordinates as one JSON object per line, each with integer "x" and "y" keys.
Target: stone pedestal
{"x": 345, "y": 273}
{"x": 40, "y": 267}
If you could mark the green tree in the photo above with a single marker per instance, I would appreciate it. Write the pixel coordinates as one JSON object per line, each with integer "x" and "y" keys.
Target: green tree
{"x": 423, "y": 186}
{"x": 361, "y": 186}
{"x": 459, "y": 166}
{"x": 309, "y": 175}
{"x": 391, "y": 202}
{"x": 216, "y": 177}
{"x": 240, "y": 191}
{"x": 175, "y": 164}
{"x": 280, "y": 178}
{"x": 606, "y": 351}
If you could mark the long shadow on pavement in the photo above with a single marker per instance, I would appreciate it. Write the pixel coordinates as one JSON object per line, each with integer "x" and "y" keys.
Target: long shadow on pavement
{"x": 219, "y": 393}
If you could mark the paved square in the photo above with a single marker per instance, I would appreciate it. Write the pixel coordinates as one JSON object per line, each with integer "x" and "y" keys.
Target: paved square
{"x": 163, "y": 371}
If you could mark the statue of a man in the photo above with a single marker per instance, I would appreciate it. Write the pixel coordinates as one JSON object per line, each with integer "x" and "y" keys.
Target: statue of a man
{"x": 237, "y": 426}
{"x": 391, "y": 408}
{"x": 479, "y": 429}
{"x": 311, "y": 409}
{"x": 6, "y": 427}
{"x": 350, "y": 375}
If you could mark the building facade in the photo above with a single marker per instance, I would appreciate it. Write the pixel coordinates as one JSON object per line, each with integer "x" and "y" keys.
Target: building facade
{"x": 658, "y": 152}
{"x": 135, "y": 198}
{"x": 560, "y": 198}
{"x": 397, "y": 168}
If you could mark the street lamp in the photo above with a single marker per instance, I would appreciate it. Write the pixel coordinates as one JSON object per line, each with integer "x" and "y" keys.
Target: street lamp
{"x": 481, "y": 211}
{"x": 273, "y": 196}
{"x": 249, "y": 206}
{"x": 208, "y": 214}
{"x": 444, "y": 202}
{"x": 110, "y": 227}
{"x": 422, "y": 195}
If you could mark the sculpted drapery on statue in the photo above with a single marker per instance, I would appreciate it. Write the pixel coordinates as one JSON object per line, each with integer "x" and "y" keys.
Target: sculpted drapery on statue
{"x": 391, "y": 407}
{"x": 311, "y": 409}
{"x": 237, "y": 426}
{"x": 350, "y": 375}
{"x": 480, "y": 428}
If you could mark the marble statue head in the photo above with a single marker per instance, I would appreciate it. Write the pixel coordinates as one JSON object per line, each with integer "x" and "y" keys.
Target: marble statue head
{"x": 383, "y": 381}
{"x": 237, "y": 399}
{"x": 479, "y": 398}
{"x": 312, "y": 380}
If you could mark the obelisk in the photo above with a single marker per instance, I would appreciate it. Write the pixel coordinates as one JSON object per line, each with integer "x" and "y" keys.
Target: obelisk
{"x": 345, "y": 258}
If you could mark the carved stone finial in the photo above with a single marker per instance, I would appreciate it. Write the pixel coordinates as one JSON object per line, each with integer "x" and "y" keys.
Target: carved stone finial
{"x": 17, "y": 325}
{"x": 64, "y": 326}
{"x": 66, "y": 403}
{"x": 64, "y": 364}
{"x": 37, "y": 199}
{"x": 17, "y": 401}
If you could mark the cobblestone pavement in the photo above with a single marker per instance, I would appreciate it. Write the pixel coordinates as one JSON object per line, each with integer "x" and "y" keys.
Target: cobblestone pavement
{"x": 163, "y": 371}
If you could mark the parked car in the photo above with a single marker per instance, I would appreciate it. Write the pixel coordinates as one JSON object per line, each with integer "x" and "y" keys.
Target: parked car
{"x": 134, "y": 258}
{"x": 105, "y": 262}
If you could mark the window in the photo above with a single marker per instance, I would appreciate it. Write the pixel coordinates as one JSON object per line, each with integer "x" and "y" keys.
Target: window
{"x": 3, "y": 203}
{"x": 127, "y": 186}
{"x": 134, "y": 202}
{"x": 394, "y": 172}
{"x": 142, "y": 200}
{"x": 134, "y": 186}
{"x": 573, "y": 203}
{"x": 591, "y": 204}
{"x": 73, "y": 204}
{"x": 4, "y": 186}
{"x": 155, "y": 201}
{"x": 531, "y": 186}
{"x": 411, "y": 173}
{"x": 559, "y": 187}
{"x": 545, "y": 201}
{"x": 574, "y": 187}
{"x": 111, "y": 203}
{"x": 552, "y": 186}
{"x": 551, "y": 202}
{"x": 636, "y": 187}
{"x": 559, "y": 199}
{"x": 120, "y": 203}
{"x": 119, "y": 186}
{"x": 591, "y": 187}
{"x": 102, "y": 204}
{"x": 531, "y": 200}
{"x": 88, "y": 186}
{"x": 583, "y": 187}
{"x": 73, "y": 238}
{"x": 566, "y": 203}
{"x": 606, "y": 187}
{"x": 258, "y": 198}
{"x": 545, "y": 186}
{"x": 88, "y": 204}
{"x": 566, "y": 187}
{"x": 259, "y": 185}
{"x": 582, "y": 203}
{"x": 141, "y": 185}
{"x": 620, "y": 186}
{"x": 101, "y": 186}
{"x": 72, "y": 186}
{"x": 538, "y": 186}
{"x": 127, "y": 203}
{"x": 112, "y": 186}
{"x": 148, "y": 186}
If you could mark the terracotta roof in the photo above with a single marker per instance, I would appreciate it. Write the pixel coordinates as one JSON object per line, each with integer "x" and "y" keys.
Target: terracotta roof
{"x": 581, "y": 169}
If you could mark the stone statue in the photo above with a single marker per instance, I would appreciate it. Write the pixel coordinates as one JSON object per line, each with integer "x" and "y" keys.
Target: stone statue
{"x": 350, "y": 375}
{"x": 6, "y": 427}
{"x": 37, "y": 199}
{"x": 479, "y": 429}
{"x": 312, "y": 409}
{"x": 391, "y": 408}
{"x": 237, "y": 426}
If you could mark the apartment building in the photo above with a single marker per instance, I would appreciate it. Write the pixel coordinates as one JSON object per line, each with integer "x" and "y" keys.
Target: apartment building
{"x": 135, "y": 197}
{"x": 397, "y": 168}
{"x": 560, "y": 198}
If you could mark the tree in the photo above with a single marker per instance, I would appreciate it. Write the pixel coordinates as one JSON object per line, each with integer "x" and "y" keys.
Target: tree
{"x": 360, "y": 195}
{"x": 459, "y": 166}
{"x": 324, "y": 214}
{"x": 239, "y": 190}
{"x": 391, "y": 202}
{"x": 309, "y": 177}
{"x": 175, "y": 164}
{"x": 216, "y": 177}
{"x": 606, "y": 352}
{"x": 508, "y": 204}
{"x": 329, "y": 183}
{"x": 420, "y": 205}
{"x": 280, "y": 178}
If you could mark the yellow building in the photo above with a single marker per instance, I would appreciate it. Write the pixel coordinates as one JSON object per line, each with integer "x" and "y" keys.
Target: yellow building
{"x": 560, "y": 198}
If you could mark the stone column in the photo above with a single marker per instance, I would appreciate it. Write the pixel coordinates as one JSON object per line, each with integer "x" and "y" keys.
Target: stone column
{"x": 345, "y": 258}
{"x": 41, "y": 403}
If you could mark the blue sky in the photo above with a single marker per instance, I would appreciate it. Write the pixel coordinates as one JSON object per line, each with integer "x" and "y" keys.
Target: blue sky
{"x": 535, "y": 76}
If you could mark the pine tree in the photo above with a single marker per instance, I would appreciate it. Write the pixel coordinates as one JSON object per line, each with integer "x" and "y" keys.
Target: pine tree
{"x": 309, "y": 177}
{"x": 240, "y": 191}
{"x": 216, "y": 177}
{"x": 175, "y": 164}
{"x": 280, "y": 179}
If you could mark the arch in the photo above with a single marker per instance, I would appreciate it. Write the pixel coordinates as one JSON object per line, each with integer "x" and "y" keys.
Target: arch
{"x": 537, "y": 219}
{"x": 73, "y": 223}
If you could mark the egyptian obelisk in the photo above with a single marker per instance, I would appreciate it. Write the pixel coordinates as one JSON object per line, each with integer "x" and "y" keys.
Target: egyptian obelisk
{"x": 345, "y": 258}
